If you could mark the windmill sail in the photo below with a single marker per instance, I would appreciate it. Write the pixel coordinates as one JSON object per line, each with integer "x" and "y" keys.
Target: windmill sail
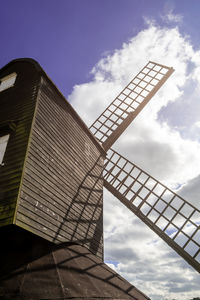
{"x": 175, "y": 220}
{"x": 126, "y": 106}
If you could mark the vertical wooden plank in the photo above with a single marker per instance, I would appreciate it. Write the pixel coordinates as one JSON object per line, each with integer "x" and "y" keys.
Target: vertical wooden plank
{"x": 17, "y": 107}
{"x": 62, "y": 189}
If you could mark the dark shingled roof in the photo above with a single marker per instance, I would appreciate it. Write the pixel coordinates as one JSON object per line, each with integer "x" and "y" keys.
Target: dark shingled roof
{"x": 42, "y": 270}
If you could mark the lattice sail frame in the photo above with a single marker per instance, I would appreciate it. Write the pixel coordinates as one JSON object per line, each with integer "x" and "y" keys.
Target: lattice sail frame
{"x": 174, "y": 219}
{"x": 126, "y": 106}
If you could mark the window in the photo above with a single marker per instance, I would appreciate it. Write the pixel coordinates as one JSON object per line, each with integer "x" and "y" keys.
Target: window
{"x": 3, "y": 144}
{"x": 7, "y": 81}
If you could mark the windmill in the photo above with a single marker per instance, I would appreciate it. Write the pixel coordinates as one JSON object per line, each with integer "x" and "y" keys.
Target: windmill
{"x": 174, "y": 219}
{"x": 52, "y": 173}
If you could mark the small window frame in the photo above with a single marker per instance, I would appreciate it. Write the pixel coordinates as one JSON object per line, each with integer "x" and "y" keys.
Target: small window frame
{"x": 4, "y": 139}
{"x": 8, "y": 81}
{"x": 7, "y": 128}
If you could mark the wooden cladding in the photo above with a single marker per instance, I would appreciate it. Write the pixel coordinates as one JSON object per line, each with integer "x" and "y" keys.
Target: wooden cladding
{"x": 16, "y": 113}
{"x": 51, "y": 175}
{"x": 61, "y": 193}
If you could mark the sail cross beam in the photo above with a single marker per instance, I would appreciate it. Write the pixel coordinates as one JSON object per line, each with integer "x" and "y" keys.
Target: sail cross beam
{"x": 174, "y": 219}
{"x": 127, "y": 105}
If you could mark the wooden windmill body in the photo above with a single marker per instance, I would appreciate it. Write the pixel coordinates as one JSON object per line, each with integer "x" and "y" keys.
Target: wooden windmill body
{"x": 52, "y": 173}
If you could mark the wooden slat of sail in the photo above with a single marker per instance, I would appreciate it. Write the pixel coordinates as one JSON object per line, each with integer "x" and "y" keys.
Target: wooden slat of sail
{"x": 126, "y": 106}
{"x": 174, "y": 219}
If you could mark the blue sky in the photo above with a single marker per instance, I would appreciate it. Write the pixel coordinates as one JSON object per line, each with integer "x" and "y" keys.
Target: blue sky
{"x": 68, "y": 37}
{"x": 91, "y": 49}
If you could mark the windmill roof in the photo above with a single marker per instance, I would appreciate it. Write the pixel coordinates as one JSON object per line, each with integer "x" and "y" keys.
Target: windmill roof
{"x": 66, "y": 272}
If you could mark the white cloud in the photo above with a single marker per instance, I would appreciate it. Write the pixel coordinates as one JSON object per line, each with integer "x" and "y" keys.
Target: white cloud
{"x": 197, "y": 124}
{"x": 170, "y": 17}
{"x": 159, "y": 144}
{"x": 192, "y": 191}
{"x": 143, "y": 259}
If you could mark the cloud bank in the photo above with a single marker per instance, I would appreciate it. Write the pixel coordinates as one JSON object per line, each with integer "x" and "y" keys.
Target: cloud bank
{"x": 164, "y": 140}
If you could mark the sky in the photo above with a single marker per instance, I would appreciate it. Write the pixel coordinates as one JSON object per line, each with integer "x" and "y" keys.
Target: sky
{"x": 91, "y": 49}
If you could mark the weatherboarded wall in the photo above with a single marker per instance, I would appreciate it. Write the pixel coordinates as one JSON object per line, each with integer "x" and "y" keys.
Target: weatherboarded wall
{"x": 61, "y": 191}
{"x": 17, "y": 105}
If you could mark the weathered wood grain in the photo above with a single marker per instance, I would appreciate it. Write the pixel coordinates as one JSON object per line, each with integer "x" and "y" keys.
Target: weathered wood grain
{"x": 61, "y": 192}
{"x": 17, "y": 107}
